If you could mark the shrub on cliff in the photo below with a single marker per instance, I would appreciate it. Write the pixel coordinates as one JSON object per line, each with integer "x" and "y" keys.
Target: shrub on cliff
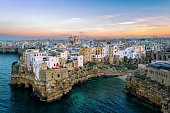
{"x": 90, "y": 64}
{"x": 142, "y": 77}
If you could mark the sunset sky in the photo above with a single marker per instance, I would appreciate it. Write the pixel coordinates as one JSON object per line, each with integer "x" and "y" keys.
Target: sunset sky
{"x": 86, "y": 18}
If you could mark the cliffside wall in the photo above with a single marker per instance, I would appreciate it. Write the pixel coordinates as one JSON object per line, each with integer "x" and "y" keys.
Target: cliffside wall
{"x": 150, "y": 91}
{"x": 53, "y": 86}
{"x": 11, "y": 50}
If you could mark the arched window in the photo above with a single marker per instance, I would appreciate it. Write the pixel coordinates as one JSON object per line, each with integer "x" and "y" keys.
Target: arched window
{"x": 154, "y": 57}
{"x": 162, "y": 81}
{"x": 52, "y": 75}
{"x": 164, "y": 57}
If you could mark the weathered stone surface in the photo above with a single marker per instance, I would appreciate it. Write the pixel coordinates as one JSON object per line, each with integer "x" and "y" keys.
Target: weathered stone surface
{"x": 149, "y": 91}
{"x": 56, "y": 83}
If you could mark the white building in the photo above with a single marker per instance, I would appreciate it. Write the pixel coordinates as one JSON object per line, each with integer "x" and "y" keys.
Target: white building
{"x": 106, "y": 50}
{"x": 79, "y": 58}
{"x": 64, "y": 54}
{"x": 52, "y": 62}
{"x": 133, "y": 52}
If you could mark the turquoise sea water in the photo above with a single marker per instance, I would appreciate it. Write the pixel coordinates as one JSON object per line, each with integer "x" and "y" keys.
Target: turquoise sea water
{"x": 103, "y": 95}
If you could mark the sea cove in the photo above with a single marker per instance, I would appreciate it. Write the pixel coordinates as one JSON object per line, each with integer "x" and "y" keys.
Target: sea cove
{"x": 99, "y": 95}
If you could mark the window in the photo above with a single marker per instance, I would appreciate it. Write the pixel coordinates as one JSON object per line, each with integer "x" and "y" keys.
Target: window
{"x": 58, "y": 75}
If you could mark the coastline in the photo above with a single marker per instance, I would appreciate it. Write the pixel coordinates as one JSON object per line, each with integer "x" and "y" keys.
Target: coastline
{"x": 54, "y": 89}
{"x": 148, "y": 92}
{"x": 11, "y": 50}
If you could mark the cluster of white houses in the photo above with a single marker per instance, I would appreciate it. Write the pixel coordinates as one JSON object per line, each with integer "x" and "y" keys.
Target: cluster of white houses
{"x": 63, "y": 55}
{"x": 34, "y": 58}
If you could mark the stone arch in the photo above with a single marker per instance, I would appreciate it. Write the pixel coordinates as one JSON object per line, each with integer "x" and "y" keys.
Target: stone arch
{"x": 164, "y": 58}
{"x": 154, "y": 56}
{"x": 162, "y": 81}
{"x": 159, "y": 57}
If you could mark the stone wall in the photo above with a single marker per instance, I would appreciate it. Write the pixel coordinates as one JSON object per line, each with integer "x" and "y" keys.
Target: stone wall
{"x": 11, "y": 50}
{"x": 164, "y": 56}
{"x": 159, "y": 75}
{"x": 8, "y": 50}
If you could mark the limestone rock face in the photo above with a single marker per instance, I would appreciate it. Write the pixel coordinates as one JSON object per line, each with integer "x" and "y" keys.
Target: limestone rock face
{"x": 54, "y": 83}
{"x": 149, "y": 91}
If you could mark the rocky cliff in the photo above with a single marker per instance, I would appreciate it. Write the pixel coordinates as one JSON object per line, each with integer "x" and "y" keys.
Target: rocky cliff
{"x": 149, "y": 91}
{"x": 54, "y": 89}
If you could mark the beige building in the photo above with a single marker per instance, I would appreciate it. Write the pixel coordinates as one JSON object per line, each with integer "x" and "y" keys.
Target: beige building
{"x": 62, "y": 62}
{"x": 87, "y": 54}
{"x": 73, "y": 40}
{"x": 160, "y": 73}
{"x": 77, "y": 40}
{"x": 99, "y": 54}
{"x": 52, "y": 73}
{"x": 113, "y": 58}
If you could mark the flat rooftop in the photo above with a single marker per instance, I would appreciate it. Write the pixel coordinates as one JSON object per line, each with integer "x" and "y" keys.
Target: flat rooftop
{"x": 160, "y": 66}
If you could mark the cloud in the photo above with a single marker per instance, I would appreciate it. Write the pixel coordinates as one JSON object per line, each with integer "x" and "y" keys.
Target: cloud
{"x": 108, "y": 16}
{"x": 127, "y": 23}
{"x": 154, "y": 21}
{"x": 143, "y": 19}
{"x": 147, "y": 21}
{"x": 155, "y": 8}
{"x": 75, "y": 19}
